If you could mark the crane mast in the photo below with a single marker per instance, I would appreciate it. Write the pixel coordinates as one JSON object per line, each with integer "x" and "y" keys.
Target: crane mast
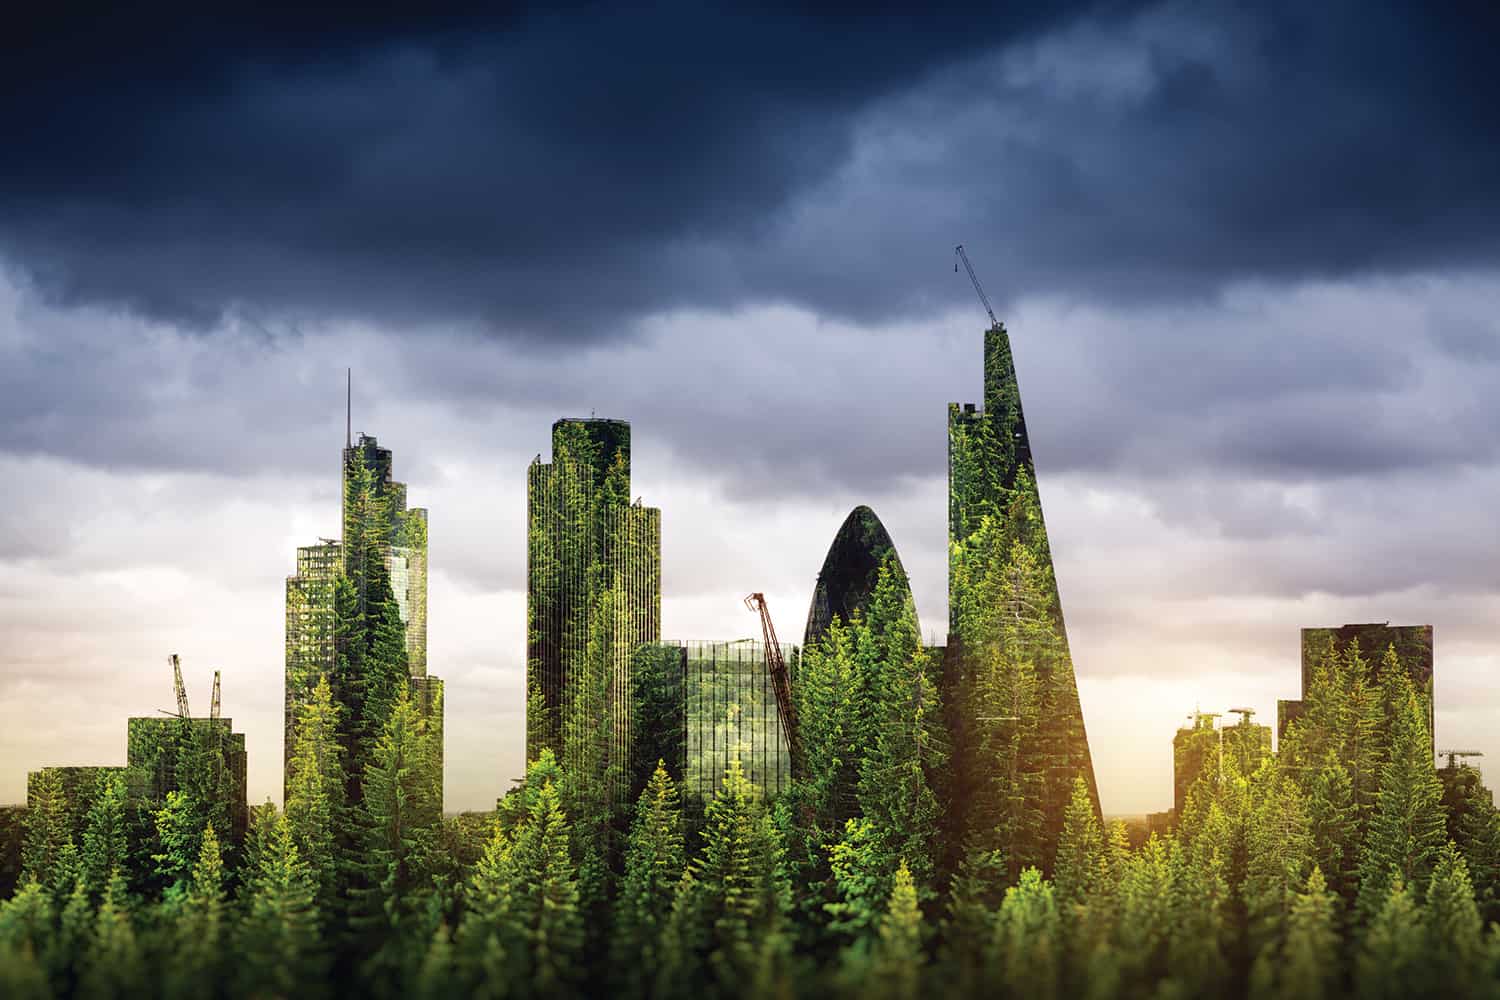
{"x": 178, "y": 688}
{"x": 780, "y": 681}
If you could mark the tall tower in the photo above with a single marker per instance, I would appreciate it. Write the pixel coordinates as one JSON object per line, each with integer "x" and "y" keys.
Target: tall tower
{"x": 991, "y": 476}
{"x": 593, "y": 593}
{"x": 400, "y": 543}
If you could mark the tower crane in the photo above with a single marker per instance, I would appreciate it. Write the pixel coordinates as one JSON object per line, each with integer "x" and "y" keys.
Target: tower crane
{"x": 1453, "y": 756}
{"x": 177, "y": 687}
{"x": 780, "y": 681}
{"x": 1244, "y": 714}
{"x": 213, "y": 712}
{"x": 958, "y": 253}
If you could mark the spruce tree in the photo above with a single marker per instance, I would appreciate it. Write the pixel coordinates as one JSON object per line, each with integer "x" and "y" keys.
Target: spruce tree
{"x": 1028, "y": 935}
{"x": 198, "y": 929}
{"x": 278, "y": 939}
{"x": 113, "y": 966}
{"x": 1305, "y": 965}
{"x": 733, "y": 895}
{"x": 1455, "y": 932}
{"x": 654, "y": 862}
{"x": 105, "y": 848}
{"x": 1080, "y": 852}
{"x": 896, "y": 965}
{"x": 48, "y": 834}
{"x": 1408, "y": 829}
{"x": 1391, "y": 961}
{"x": 315, "y": 790}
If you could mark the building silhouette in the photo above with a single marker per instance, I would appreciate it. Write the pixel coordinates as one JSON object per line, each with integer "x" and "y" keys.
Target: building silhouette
{"x": 1412, "y": 644}
{"x": 593, "y": 595}
{"x": 397, "y": 536}
{"x": 850, "y": 572}
{"x": 991, "y": 476}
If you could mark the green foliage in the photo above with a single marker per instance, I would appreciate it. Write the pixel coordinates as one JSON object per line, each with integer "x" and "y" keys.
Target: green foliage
{"x": 1391, "y": 961}
{"x": 315, "y": 790}
{"x": 49, "y": 837}
{"x": 654, "y": 862}
{"x": 278, "y": 937}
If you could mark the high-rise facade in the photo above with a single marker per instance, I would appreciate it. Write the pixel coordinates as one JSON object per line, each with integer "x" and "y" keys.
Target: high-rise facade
{"x": 374, "y": 509}
{"x": 593, "y": 594}
{"x": 309, "y": 629}
{"x": 991, "y": 479}
{"x": 1412, "y": 645}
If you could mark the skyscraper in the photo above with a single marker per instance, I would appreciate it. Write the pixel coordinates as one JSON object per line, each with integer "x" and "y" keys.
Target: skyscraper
{"x": 850, "y": 572}
{"x": 992, "y": 481}
{"x": 593, "y": 574}
{"x": 376, "y": 524}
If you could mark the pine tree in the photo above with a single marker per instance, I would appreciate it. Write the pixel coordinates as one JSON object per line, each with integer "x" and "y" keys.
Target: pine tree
{"x": 48, "y": 834}
{"x": 1455, "y": 932}
{"x": 400, "y": 820}
{"x": 113, "y": 966}
{"x": 315, "y": 790}
{"x": 278, "y": 939}
{"x": 178, "y": 842}
{"x": 1080, "y": 852}
{"x": 654, "y": 863}
{"x": 197, "y": 918}
{"x": 1408, "y": 829}
{"x": 105, "y": 848}
{"x": 1391, "y": 962}
{"x": 1333, "y": 826}
{"x": 896, "y": 965}
{"x": 1305, "y": 966}
{"x": 733, "y": 895}
{"x": 1028, "y": 933}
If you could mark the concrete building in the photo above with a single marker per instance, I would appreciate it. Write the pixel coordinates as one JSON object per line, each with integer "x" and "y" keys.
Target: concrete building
{"x": 593, "y": 574}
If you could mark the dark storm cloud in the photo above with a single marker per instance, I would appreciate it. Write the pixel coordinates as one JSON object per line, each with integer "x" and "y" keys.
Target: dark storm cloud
{"x": 566, "y": 174}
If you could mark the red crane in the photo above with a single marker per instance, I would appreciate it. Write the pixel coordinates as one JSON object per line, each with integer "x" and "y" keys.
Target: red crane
{"x": 781, "y": 681}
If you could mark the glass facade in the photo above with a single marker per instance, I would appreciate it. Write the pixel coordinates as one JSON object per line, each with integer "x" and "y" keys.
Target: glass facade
{"x": 730, "y": 712}
{"x": 989, "y": 454}
{"x": 590, "y": 552}
{"x": 309, "y": 630}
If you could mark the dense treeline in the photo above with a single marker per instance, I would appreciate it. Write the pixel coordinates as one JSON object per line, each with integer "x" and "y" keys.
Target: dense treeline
{"x": 940, "y": 838}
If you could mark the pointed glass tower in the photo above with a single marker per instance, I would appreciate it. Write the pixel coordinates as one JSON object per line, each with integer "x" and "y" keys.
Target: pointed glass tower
{"x": 994, "y": 508}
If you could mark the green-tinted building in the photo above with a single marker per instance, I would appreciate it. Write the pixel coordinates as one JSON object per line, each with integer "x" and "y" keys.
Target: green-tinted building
{"x": 991, "y": 476}
{"x": 401, "y": 539}
{"x": 711, "y": 703}
{"x": 593, "y": 583}
{"x": 309, "y": 630}
{"x": 156, "y": 750}
{"x": 1413, "y": 646}
{"x": 846, "y": 583}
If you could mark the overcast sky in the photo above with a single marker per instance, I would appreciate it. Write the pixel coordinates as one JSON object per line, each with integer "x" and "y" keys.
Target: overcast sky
{"x": 1249, "y": 257}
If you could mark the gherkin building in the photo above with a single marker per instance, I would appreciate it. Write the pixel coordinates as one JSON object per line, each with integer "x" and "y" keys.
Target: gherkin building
{"x": 1003, "y": 602}
{"x": 846, "y": 583}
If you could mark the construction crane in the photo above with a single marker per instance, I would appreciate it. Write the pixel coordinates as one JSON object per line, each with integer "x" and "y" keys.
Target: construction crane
{"x": 213, "y": 712}
{"x": 780, "y": 680}
{"x": 182, "y": 702}
{"x": 1244, "y": 714}
{"x": 1453, "y": 756}
{"x": 958, "y": 252}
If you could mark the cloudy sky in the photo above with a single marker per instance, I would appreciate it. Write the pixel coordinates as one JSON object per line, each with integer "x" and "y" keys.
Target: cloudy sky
{"x": 1249, "y": 256}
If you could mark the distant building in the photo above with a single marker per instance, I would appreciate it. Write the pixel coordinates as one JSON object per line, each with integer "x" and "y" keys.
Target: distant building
{"x": 155, "y": 747}
{"x": 850, "y": 573}
{"x": 1413, "y": 645}
{"x": 586, "y": 540}
{"x": 1195, "y": 747}
{"x": 725, "y": 710}
{"x": 309, "y": 631}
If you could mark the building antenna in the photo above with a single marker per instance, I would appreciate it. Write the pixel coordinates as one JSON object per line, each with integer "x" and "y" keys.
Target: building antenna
{"x": 349, "y": 408}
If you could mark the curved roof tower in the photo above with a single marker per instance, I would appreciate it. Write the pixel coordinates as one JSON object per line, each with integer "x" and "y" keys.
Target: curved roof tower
{"x": 849, "y": 574}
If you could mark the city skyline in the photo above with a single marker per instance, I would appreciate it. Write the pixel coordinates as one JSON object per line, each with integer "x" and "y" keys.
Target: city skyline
{"x": 1248, "y": 258}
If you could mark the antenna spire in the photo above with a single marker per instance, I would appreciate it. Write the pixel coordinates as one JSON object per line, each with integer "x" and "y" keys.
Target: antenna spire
{"x": 349, "y": 408}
